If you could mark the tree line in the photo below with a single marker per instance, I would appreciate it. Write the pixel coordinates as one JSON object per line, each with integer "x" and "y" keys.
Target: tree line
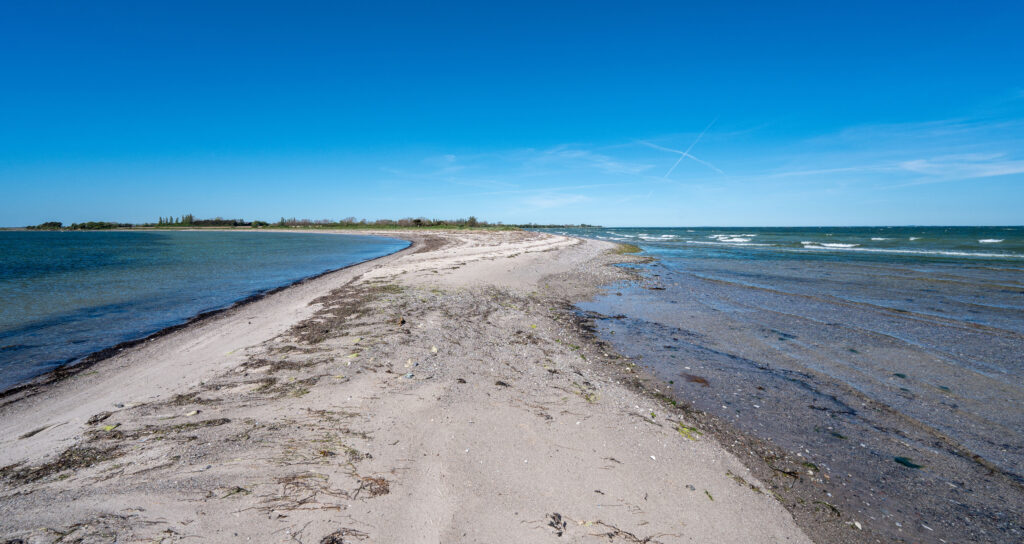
{"x": 88, "y": 225}
{"x": 189, "y": 220}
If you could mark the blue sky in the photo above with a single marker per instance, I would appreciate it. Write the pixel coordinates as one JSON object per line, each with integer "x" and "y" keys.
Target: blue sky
{"x": 782, "y": 113}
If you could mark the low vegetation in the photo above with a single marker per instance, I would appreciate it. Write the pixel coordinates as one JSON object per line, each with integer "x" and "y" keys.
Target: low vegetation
{"x": 90, "y": 225}
{"x": 407, "y": 223}
{"x": 190, "y": 221}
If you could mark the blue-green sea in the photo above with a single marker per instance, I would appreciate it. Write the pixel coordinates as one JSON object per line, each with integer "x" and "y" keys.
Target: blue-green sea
{"x": 889, "y": 358}
{"x": 903, "y": 244}
{"x": 64, "y": 295}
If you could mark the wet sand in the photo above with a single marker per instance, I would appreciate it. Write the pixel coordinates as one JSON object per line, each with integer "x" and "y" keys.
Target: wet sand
{"x": 444, "y": 393}
{"x": 898, "y": 386}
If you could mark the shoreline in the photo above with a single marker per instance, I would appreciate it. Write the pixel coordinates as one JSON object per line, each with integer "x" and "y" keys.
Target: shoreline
{"x": 467, "y": 339}
{"x": 78, "y": 364}
{"x": 847, "y": 370}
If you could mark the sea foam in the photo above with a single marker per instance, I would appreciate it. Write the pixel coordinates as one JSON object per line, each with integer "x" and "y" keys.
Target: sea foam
{"x": 727, "y": 242}
{"x": 817, "y": 245}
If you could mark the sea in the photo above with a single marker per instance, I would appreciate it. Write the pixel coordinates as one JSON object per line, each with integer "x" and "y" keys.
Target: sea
{"x": 67, "y": 294}
{"x": 890, "y": 358}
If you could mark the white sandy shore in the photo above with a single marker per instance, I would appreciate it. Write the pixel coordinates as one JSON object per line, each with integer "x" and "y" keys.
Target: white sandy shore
{"x": 441, "y": 394}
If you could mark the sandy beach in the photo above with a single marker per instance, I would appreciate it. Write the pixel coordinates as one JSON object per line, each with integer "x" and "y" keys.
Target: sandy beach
{"x": 445, "y": 393}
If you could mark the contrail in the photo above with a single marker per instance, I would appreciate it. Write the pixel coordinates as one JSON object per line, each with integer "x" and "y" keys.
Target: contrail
{"x": 674, "y": 165}
{"x": 701, "y": 135}
{"x": 685, "y": 154}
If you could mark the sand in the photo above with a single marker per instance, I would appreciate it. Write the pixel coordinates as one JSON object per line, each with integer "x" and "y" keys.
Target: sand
{"x": 446, "y": 393}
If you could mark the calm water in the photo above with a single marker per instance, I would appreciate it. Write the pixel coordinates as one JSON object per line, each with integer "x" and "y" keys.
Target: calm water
{"x": 853, "y": 347}
{"x": 64, "y": 295}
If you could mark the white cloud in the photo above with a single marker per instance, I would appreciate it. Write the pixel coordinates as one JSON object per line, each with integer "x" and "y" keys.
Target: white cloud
{"x": 565, "y": 156}
{"x": 968, "y": 166}
{"x": 546, "y": 201}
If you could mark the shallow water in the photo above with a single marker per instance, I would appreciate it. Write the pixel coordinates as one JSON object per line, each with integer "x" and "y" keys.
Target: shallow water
{"x": 852, "y": 347}
{"x": 64, "y": 295}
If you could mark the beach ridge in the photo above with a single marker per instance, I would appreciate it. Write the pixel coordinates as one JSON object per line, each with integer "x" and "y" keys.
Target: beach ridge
{"x": 445, "y": 392}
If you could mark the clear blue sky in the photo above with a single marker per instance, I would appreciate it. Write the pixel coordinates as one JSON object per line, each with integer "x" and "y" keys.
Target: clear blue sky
{"x": 816, "y": 113}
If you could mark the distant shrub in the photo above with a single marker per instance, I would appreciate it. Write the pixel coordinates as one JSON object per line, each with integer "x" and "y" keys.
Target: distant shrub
{"x": 98, "y": 225}
{"x": 49, "y": 225}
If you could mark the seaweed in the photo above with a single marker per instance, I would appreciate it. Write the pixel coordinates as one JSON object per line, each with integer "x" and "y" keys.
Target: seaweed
{"x": 110, "y": 432}
{"x": 237, "y": 490}
{"x": 905, "y": 461}
{"x": 340, "y": 536}
{"x": 97, "y": 418}
{"x": 830, "y": 508}
{"x": 556, "y": 522}
{"x": 687, "y": 432}
{"x": 693, "y": 378}
{"x": 73, "y": 458}
{"x": 741, "y": 481}
{"x": 374, "y": 487}
{"x": 34, "y": 432}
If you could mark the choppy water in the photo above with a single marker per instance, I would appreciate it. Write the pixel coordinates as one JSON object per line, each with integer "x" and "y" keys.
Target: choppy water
{"x": 853, "y": 347}
{"x": 64, "y": 295}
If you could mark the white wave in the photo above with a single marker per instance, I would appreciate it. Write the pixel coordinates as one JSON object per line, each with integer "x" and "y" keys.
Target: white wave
{"x": 816, "y": 245}
{"x": 726, "y": 243}
{"x": 722, "y": 236}
{"x": 912, "y": 238}
{"x": 736, "y": 240}
{"x": 879, "y": 239}
{"x": 989, "y": 241}
{"x": 919, "y": 252}
{"x": 669, "y": 236}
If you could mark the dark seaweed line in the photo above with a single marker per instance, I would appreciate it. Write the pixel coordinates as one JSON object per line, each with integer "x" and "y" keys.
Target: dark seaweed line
{"x": 76, "y": 365}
